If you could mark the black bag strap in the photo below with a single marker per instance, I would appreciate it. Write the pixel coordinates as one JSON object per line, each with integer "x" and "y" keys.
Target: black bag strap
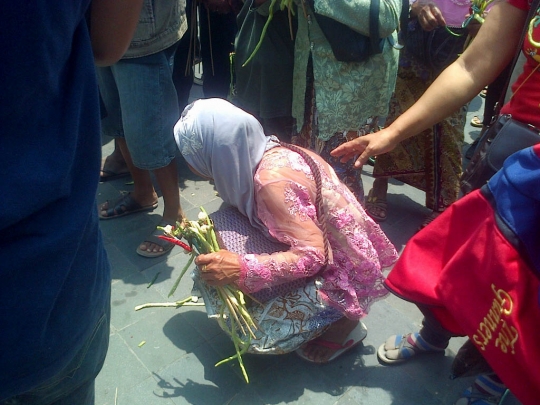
{"x": 404, "y": 20}
{"x": 374, "y": 8}
{"x": 534, "y": 6}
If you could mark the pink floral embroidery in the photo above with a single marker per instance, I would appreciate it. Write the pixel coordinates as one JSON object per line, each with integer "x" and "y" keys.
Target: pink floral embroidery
{"x": 285, "y": 193}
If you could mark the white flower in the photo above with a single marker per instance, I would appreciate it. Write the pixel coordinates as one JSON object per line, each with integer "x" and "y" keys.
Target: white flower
{"x": 168, "y": 229}
{"x": 202, "y": 217}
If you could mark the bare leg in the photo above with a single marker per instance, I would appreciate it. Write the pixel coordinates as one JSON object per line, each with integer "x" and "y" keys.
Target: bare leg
{"x": 114, "y": 164}
{"x": 145, "y": 194}
{"x": 143, "y": 189}
{"x": 167, "y": 178}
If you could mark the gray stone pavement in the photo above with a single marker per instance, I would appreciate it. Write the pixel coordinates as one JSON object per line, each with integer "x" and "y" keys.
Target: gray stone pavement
{"x": 175, "y": 365}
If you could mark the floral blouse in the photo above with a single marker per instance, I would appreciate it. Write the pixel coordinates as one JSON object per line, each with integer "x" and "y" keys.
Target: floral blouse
{"x": 285, "y": 191}
{"x": 347, "y": 93}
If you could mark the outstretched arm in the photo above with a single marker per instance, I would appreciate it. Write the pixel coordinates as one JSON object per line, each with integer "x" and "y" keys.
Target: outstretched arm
{"x": 479, "y": 65}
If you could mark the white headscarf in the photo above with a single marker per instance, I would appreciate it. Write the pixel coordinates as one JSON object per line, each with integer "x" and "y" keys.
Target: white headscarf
{"x": 227, "y": 144}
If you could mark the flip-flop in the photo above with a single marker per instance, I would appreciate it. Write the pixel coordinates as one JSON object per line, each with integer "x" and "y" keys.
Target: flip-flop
{"x": 483, "y": 93}
{"x": 153, "y": 238}
{"x": 372, "y": 203}
{"x": 472, "y": 396}
{"x": 403, "y": 349}
{"x": 125, "y": 205}
{"x": 357, "y": 335}
{"x": 476, "y": 122}
{"x": 109, "y": 175}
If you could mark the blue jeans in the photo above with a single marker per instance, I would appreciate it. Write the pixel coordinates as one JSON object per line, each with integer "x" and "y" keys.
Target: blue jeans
{"x": 141, "y": 105}
{"x": 74, "y": 385}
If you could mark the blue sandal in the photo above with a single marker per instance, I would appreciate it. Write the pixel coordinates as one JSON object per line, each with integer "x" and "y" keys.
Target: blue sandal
{"x": 399, "y": 348}
{"x": 472, "y": 397}
{"x": 487, "y": 389}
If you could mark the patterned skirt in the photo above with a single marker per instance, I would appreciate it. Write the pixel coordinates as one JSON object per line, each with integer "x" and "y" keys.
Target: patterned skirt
{"x": 308, "y": 138}
{"x": 431, "y": 160}
{"x": 288, "y": 315}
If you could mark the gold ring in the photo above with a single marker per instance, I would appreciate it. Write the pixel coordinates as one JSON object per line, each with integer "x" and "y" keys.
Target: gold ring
{"x": 203, "y": 268}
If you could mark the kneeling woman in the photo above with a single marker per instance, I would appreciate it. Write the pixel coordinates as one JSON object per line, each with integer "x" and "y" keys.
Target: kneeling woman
{"x": 330, "y": 272}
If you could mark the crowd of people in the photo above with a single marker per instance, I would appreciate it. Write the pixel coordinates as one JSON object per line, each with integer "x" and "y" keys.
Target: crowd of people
{"x": 285, "y": 126}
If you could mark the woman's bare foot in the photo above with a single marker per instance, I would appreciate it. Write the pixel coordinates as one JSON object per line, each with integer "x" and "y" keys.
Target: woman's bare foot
{"x": 321, "y": 350}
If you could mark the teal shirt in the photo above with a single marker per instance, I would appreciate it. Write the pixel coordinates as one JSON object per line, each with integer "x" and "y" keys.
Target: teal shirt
{"x": 347, "y": 93}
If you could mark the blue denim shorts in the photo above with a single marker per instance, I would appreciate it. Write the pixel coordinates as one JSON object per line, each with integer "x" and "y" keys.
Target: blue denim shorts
{"x": 141, "y": 105}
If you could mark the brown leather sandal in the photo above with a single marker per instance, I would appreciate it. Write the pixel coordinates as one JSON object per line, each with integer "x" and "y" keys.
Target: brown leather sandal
{"x": 376, "y": 207}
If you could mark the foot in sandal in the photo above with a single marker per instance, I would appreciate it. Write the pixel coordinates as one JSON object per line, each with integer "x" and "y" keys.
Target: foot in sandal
{"x": 125, "y": 205}
{"x": 340, "y": 337}
{"x": 153, "y": 246}
{"x": 376, "y": 205}
{"x": 476, "y": 122}
{"x": 400, "y": 348}
{"x": 487, "y": 389}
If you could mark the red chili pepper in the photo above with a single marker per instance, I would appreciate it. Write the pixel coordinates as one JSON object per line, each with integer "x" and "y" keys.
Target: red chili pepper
{"x": 176, "y": 242}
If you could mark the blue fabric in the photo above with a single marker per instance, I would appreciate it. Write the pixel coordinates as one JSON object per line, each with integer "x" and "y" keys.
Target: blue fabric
{"x": 54, "y": 271}
{"x": 516, "y": 189}
{"x": 141, "y": 104}
{"x": 75, "y": 383}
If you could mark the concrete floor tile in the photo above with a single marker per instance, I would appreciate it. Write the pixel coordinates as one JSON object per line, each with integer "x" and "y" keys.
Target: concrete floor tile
{"x": 147, "y": 392}
{"x": 122, "y": 370}
{"x": 293, "y": 381}
{"x": 126, "y": 295}
{"x": 207, "y": 327}
{"x": 194, "y": 380}
{"x": 163, "y": 275}
{"x": 246, "y": 398}
{"x": 161, "y": 330}
{"x": 383, "y": 396}
{"x": 121, "y": 266}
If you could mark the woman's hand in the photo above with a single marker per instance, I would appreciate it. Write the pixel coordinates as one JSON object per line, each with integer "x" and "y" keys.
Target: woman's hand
{"x": 219, "y": 268}
{"x": 428, "y": 15}
{"x": 366, "y": 146}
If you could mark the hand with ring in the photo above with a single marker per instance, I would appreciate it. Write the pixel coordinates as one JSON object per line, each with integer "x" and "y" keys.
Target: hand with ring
{"x": 219, "y": 268}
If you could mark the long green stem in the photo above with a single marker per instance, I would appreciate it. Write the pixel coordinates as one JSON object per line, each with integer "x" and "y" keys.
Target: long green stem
{"x": 263, "y": 33}
{"x": 163, "y": 304}
{"x": 175, "y": 285}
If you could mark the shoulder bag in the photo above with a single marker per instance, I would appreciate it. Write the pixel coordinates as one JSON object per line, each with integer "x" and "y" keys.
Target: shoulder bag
{"x": 349, "y": 45}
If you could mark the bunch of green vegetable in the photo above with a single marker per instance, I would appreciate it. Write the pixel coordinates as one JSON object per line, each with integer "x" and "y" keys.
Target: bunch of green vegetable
{"x": 273, "y": 3}
{"x": 233, "y": 316}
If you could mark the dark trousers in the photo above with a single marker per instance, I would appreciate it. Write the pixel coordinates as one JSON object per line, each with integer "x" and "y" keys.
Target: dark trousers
{"x": 217, "y": 33}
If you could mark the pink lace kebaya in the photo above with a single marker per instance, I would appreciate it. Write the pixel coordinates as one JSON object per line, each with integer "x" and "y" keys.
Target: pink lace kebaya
{"x": 284, "y": 195}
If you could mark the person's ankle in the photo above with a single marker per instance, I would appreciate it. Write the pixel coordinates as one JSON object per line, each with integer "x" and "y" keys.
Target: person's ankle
{"x": 420, "y": 343}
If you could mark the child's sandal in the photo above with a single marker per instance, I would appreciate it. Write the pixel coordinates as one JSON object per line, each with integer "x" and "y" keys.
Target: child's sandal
{"x": 400, "y": 348}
